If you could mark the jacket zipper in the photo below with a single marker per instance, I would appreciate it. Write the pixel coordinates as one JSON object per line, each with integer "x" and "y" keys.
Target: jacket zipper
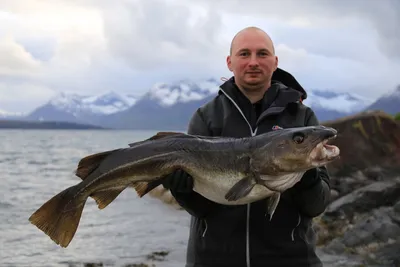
{"x": 298, "y": 223}
{"x": 253, "y": 133}
{"x": 205, "y": 230}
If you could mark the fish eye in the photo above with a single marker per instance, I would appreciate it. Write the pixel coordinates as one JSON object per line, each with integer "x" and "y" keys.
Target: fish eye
{"x": 298, "y": 138}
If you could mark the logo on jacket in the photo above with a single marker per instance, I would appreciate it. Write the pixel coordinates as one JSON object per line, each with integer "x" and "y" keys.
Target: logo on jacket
{"x": 276, "y": 127}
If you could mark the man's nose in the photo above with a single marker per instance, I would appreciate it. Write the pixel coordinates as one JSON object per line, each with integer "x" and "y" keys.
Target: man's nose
{"x": 253, "y": 60}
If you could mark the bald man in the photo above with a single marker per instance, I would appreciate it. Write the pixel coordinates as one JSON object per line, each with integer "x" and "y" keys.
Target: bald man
{"x": 258, "y": 97}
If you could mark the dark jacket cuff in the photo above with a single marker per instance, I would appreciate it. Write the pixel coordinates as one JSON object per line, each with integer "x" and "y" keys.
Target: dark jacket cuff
{"x": 309, "y": 179}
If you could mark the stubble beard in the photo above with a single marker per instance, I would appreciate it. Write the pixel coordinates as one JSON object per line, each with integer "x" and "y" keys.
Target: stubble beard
{"x": 256, "y": 86}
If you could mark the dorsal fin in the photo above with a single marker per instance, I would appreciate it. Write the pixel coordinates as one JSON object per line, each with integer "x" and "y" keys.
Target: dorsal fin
{"x": 88, "y": 164}
{"x": 158, "y": 135}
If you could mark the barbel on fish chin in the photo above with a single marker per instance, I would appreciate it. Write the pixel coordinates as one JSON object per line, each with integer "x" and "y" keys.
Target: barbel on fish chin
{"x": 230, "y": 171}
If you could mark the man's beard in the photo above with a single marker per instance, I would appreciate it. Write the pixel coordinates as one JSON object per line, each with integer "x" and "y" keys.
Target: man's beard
{"x": 255, "y": 86}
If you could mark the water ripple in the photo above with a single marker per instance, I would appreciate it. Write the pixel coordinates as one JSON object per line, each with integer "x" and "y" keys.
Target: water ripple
{"x": 36, "y": 165}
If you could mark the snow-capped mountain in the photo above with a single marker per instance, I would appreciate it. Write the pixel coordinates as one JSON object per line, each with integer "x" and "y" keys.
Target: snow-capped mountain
{"x": 389, "y": 102}
{"x": 10, "y": 115}
{"x": 108, "y": 103}
{"x": 341, "y": 102}
{"x": 182, "y": 92}
{"x": 170, "y": 106}
{"x": 165, "y": 106}
{"x": 82, "y": 108}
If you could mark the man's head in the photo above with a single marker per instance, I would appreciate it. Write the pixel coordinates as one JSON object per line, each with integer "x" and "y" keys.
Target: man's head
{"x": 252, "y": 60}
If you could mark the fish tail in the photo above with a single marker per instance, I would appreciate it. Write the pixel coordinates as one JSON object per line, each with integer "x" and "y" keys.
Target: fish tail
{"x": 89, "y": 163}
{"x": 59, "y": 217}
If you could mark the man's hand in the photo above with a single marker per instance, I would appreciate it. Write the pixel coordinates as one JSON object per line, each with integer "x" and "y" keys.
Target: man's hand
{"x": 179, "y": 181}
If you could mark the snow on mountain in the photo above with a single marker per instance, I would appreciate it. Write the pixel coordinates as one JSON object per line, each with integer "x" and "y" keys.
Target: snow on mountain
{"x": 107, "y": 103}
{"x": 336, "y": 101}
{"x": 6, "y": 114}
{"x": 182, "y": 92}
{"x": 170, "y": 105}
{"x": 388, "y": 102}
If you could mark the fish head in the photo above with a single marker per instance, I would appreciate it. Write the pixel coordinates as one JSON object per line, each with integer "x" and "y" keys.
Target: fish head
{"x": 297, "y": 149}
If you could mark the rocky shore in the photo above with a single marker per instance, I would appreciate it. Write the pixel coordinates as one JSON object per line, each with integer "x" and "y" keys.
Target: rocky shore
{"x": 362, "y": 222}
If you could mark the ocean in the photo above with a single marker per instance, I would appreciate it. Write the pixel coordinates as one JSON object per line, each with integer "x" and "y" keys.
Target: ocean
{"x": 37, "y": 164}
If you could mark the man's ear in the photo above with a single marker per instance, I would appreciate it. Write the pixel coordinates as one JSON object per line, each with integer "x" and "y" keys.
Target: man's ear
{"x": 229, "y": 63}
{"x": 276, "y": 62}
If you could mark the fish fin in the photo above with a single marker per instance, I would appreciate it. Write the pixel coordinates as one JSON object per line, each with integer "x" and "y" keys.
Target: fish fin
{"x": 59, "y": 217}
{"x": 161, "y": 135}
{"x": 104, "y": 197}
{"x": 272, "y": 203}
{"x": 241, "y": 188}
{"x": 142, "y": 188}
{"x": 89, "y": 163}
{"x": 158, "y": 135}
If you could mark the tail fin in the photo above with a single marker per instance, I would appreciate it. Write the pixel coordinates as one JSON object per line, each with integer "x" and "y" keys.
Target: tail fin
{"x": 59, "y": 217}
{"x": 89, "y": 163}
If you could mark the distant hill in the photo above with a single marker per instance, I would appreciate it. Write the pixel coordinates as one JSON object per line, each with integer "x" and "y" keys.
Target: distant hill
{"x": 20, "y": 124}
{"x": 367, "y": 140}
{"x": 389, "y": 103}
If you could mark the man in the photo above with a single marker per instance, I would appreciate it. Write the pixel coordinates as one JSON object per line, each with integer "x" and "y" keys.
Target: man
{"x": 257, "y": 97}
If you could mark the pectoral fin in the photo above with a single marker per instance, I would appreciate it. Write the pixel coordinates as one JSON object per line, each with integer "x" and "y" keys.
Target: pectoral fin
{"x": 272, "y": 203}
{"x": 241, "y": 188}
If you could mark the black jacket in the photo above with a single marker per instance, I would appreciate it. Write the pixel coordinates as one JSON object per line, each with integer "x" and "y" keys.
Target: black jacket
{"x": 242, "y": 235}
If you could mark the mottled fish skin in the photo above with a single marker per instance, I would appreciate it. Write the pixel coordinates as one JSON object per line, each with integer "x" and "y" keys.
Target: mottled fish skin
{"x": 230, "y": 171}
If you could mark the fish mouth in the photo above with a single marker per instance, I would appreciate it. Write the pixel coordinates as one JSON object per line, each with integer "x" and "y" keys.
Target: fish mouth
{"x": 324, "y": 153}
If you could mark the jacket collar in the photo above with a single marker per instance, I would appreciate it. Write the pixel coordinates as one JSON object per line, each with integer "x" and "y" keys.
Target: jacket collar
{"x": 278, "y": 95}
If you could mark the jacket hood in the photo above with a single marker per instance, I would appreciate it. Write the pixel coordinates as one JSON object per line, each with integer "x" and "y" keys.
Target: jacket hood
{"x": 283, "y": 77}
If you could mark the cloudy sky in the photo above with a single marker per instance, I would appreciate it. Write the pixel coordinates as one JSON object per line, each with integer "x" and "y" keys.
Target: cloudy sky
{"x": 93, "y": 46}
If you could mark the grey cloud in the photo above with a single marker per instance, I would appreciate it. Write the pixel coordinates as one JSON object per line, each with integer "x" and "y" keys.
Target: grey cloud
{"x": 380, "y": 16}
{"x": 152, "y": 33}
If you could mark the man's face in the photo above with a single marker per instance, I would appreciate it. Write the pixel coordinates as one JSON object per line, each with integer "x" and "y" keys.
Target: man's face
{"x": 252, "y": 60}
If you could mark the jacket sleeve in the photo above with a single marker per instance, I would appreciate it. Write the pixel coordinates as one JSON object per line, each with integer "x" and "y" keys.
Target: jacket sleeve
{"x": 312, "y": 192}
{"x": 193, "y": 202}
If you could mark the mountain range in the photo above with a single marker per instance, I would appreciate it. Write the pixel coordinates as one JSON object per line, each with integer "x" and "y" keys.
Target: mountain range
{"x": 170, "y": 106}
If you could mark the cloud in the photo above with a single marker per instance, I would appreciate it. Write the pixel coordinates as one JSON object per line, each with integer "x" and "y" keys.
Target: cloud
{"x": 317, "y": 71}
{"x": 153, "y": 34}
{"x": 379, "y": 18}
{"x": 15, "y": 60}
{"x": 89, "y": 46}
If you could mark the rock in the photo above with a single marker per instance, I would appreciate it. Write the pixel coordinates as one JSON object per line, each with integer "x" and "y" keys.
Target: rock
{"x": 371, "y": 232}
{"x": 334, "y": 194}
{"x": 365, "y": 199}
{"x": 378, "y": 227}
{"x": 396, "y": 207}
{"x": 366, "y": 139}
{"x": 340, "y": 260}
{"x": 389, "y": 255}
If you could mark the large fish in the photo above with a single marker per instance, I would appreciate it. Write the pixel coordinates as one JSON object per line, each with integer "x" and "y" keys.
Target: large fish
{"x": 230, "y": 171}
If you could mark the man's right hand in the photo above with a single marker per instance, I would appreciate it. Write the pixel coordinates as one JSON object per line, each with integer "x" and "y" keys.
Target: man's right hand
{"x": 178, "y": 181}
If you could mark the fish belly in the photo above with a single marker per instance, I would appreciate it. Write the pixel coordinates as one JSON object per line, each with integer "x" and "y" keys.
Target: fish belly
{"x": 216, "y": 185}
